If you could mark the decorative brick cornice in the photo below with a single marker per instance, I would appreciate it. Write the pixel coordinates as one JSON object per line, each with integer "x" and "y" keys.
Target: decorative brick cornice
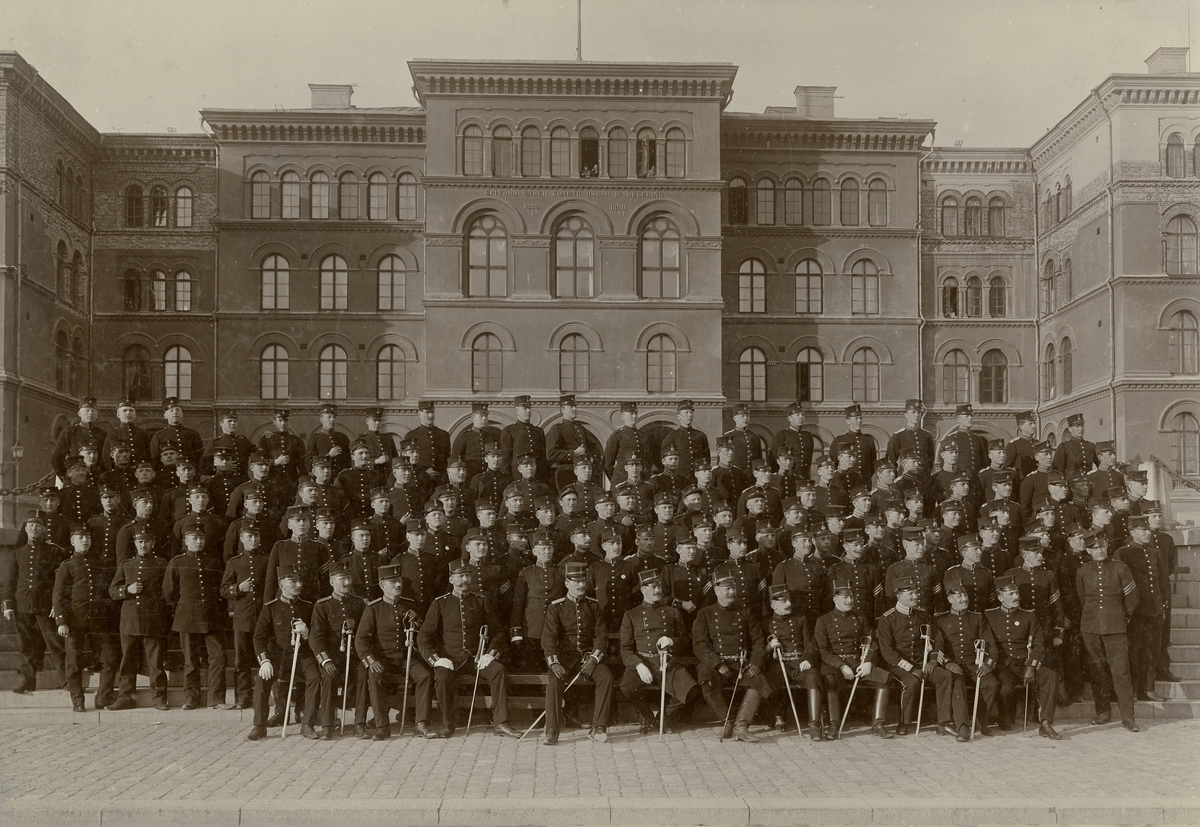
{"x": 28, "y": 87}
{"x": 573, "y": 187}
{"x": 443, "y": 240}
{"x": 789, "y": 231}
{"x": 531, "y": 241}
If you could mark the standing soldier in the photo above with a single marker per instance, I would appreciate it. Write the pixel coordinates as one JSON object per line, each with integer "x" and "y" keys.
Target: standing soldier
{"x": 1021, "y": 651}
{"x": 692, "y": 444}
{"x": 225, "y": 480}
{"x": 28, "y": 598}
{"x": 1152, "y": 576}
{"x": 958, "y": 634}
{"x": 461, "y": 630}
{"x": 328, "y": 443}
{"x": 381, "y": 447}
{"x": 469, "y": 445}
{"x": 536, "y": 586}
{"x": 137, "y": 586}
{"x": 279, "y": 638}
{"x": 568, "y": 440}
{"x": 1035, "y": 486}
{"x": 1165, "y": 545}
{"x": 106, "y": 525}
{"x": 75, "y": 436}
{"x": 303, "y": 558}
{"x": 242, "y": 585}
{"x": 85, "y": 613}
{"x": 972, "y": 446}
{"x": 971, "y": 575}
{"x": 862, "y": 446}
{"x": 728, "y": 640}
{"x": 1075, "y": 456}
{"x": 745, "y": 443}
{"x": 687, "y": 583}
{"x": 128, "y": 433}
{"x": 192, "y": 588}
{"x": 285, "y": 451}
{"x": 357, "y": 482}
{"x": 334, "y": 620}
{"x": 432, "y": 444}
{"x": 790, "y": 640}
{"x": 804, "y": 577}
{"x": 670, "y": 482}
{"x": 912, "y": 437}
{"x": 175, "y": 432}
{"x": 1109, "y": 596}
{"x": 840, "y": 636}
{"x": 1018, "y": 455}
{"x": 1106, "y": 475}
{"x": 230, "y": 439}
{"x": 421, "y": 569}
{"x": 794, "y": 439}
{"x": 575, "y": 639}
{"x": 363, "y": 561}
{"x": 627, "y": 441}
{"x": 647, "y": 631}
{"x": 523, "y": 438}
{"x": 904, "y": 634}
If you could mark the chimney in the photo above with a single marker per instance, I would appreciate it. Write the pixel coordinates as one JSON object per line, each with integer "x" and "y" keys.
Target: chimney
{"x": 814, "y": 101}
{"x": 1168, "y": 60}
{"x": 331, "y": 95}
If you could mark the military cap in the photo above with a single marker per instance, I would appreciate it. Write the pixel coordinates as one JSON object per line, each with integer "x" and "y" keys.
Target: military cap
{"x": 912, "y": 494}
{"x": 608, "y": 534}
{"x": 567, "y": 399}
{"x": 282, "y": 413}
{"x": 109, "y": 490}
{"x": 736, "y": 534}
{"x": 523, "y": 401}
{"x": 297, "y": 512}
{"x": 380, "y": 493}
{"x": 322, "y": 462}
{"x": 664, "y": 498}
{"x": 544, "y": 504}
{"x": 754, "y": 493}
{"x": 821, "y": 533}
{"x": 1137, "y": 476}
{"x": 724, "y": 442}
{"x": 475, "y": 534}
{"x": 861, "y": 491}
{"x": 907, "y": 584}
{"x": 884, "y": 465}
{"x": 1101, "y": 502}
{"x": 895, "y": 505}
{"x": 125, "y": 402}
{"x": 1139, "y": 521}
{"x": 779, "y": 591}
{"x": 791, "y": 504}
{"x": 914, "y": 405}
{"x": 482, "y": 504}
{"x": 834, "y": 510}
{"x": 1056, "y": 478}
{"x": 79, "y": 528}
{"x": 459, "y": 567}
{"x": 1074, "y": 530}
{"x": 1026, "y": 416}
{"x": 670, "y": 451}
{"x": 1043, "y": 447}
{"x": 1105, "y": 447}
{"x": 723, "y": 577}
{"x": 803, "y": 532}
{"x": 648, "y": 577}
{"x": 120, "y": 445}
{"x": 741, "y": 408}
{"x": 145, "y": 494}
{"x": 910, "y": 453}
{"x": 573, "y": 571}
{"x": 374, "y": 413}
{"x": 996, "y": 444}
{"x": 391, "y": 572}
{"x": 359, "y": 444}
{"x": 845, "y": 448}
{"x": 629, "y": 407}
{"x": 853, "y": 535}
{"x": 425, "y": 405}
{"x": 689, "y": 491}
{"x": 413, "y": 527}
{"x": 604, "y": 497}
{"x": 306, "y": 482}
{"x": 633, "y": 459}
{"x": 286, "y": 573}
{"x": 434, "y": 507}
{"x": 804, "y": 486}
{"x": 527, "y": 459}
{"x": 875, "y": 519}
{"x": 763, "y": 527}
{"x": 492, "y": 448}
{"x": 1030, "y": 542}
{"x": 1151, "y": 507}
{"x": 701, "y": 464}
{"x": 826, "y": 460}
{"x": 144, "y": 463}
{"x": 842, "y": 587}
{"x": 197, "y": 489}
{"x": 259, "y": 458}
{"x": 583, "y": 459}
{"x": 1002, "y": 477}
{"x": 443, "y": 492}
{"x": 223, "y": 452}
{"x": 988, "y": 523}
{"x": 170, "y": 402}
{"x": 1006, "y": 583}
{"x": 328, "y": 409}
{"x": 645, "y": 530}
{"x": 479, "y": 407}
{"x": 949, "y": 447}
{"x": 228, "y": 413}
{"x": 1074, "y": 419}
{"x": 685, "y": 405}
{"x": 928, "y": 524}
{"x": 1117, "y": 493}
{"x": 853, "y": 410}
{"x": 1094, "y": 538}
{"x": 702, "y": 520}
{"x": 577, "y": 527}
{"x": 968, "y": 540}
{"x": 760, "y": 465}
{"x": 950, "y": 506}
{"x": 962, "y": 410}
{"x": 249, "y": 529}
{"x": 74, "y": 461}
{"x": 913, "y": 533}
{"x": 954, "y": 584}
{"x": 795, "y": 408}
{"x": 357, "y": 525}
{"x": 339, "y": 569}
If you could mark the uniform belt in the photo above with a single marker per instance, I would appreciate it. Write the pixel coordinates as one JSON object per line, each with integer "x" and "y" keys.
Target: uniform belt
{"x": 731, "y": 657}
{"x": 794, "y": 657}
{"x": 650, "y": 655}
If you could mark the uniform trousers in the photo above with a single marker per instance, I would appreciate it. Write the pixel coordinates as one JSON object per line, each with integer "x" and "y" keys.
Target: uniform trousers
{"x": 912, "y": 685}
{"x": 244, "y": 666}
{"x": 1109, "y": 655}
{"x": 1073, "y": 662}
{"x": 713, "y": 684}
{"x": 106, "y": 647}
{"x": 496, "y": 677}
{"x": 37, "y": 636}
{"x": 808, "y": 679}
{"x": 962, "y": 693}
{"x": 191, "y": 644}
{"x": 153, "y": 648}
{"x": 306, "y": 671}
{"x": 379, "y": 682}
{"x": 680, "y": 683}
{"x": 1145, "y": 632}
{"x": 601, "y": 679}
{"x": 1012, "y": 675}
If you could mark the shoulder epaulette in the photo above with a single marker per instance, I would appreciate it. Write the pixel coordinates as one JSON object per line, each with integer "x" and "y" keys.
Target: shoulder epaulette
{"x": 890, "y": 611}
{"x": 560, "y": 600}
{"x": 591, "y": 600}
{"x": 373, "y": 602}
{"x": 324, "y": 599}
{"x": 941, "y": 614}
{"x": 269, "y": 602}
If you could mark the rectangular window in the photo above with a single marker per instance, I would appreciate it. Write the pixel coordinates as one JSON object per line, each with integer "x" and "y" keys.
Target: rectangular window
{"x": 618, "y": 157}
{"x": 752, "y": 293}
{"x": 502, "y": 157}
{"x": 333, "y": 379}
{"x": 821, "y": 206}
{"x": 752, "y": 382}
{"x": 275, "y": 290}
{"x": 291, "y": 199}
{"x": 391, "y": 290}
{"x": 472, "y": 155}
{"x": 333, "y": 290}
{"x": 183, "y": 210}
{"x": 379, "y": 201}
{"x": 178, "y": 376}
{"x": 810, "y": 386}
{"x": 531, "y": 156}
{"x": 864, "y": 295}
{"x": 647, "y": 157}
{"x": 766, "y": 205}
{"x": 808, "y": 294}
{"x": 260, "y": 200}
{"x": 560, "y": 157}
{"x": 675, "y": 157}
{"x": 320, "y": 200}
{"x": 348, "y": 200}
{"x": 793, "y": 211}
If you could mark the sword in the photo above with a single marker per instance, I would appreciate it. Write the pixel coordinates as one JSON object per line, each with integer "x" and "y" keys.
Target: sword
{"x": 482, "y": 642}
{"x": 924, "y": 662}
{"x": 1028, "y": 655}
{"x": 732, "y": 696}
{"x": 347, "y": 634}
{"x": 662, "y": 693}
{"x": 980, "y": 653}
{"x": 866, "y": 647}
{"x": 410, "y": 629}
{"x": 287, "y": 706}
{"x": 561, "y": 701}
{"x": 787, "y": 687}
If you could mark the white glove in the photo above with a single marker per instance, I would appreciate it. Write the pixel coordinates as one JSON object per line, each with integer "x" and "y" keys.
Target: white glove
{"x": 486, "y": 661}
{"x": 645, "y": 674}
{"x": 266, "y": 671}
{"x": 515, "y": 639}
{"x": 444, "y": 663}
{"x": 863, "y": 670}
{"x": 805, "y": 666}
{"x": 664, "y": 642}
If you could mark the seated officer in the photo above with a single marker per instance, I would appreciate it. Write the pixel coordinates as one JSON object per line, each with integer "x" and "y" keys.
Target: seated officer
{"x": 332, "y": 641}
{"x": 384, "y": 641}
{"x": 1021, "y": 650}
{"x": 905, "y": 641}
{"x": 789, "y": 637}
{"x": 960, "y": 637}
{"x": 574, "y": 638}
{"x": 282, "y": 627}
{"x": 848, "y": 653}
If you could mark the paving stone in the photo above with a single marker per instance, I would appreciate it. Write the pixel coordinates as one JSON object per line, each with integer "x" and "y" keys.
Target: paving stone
{"x": 574, "y": 811}
{"x": 163, "y": 813}
{"x": 679, "y": 810}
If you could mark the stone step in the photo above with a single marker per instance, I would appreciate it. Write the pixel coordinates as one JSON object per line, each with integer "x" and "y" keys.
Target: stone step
{"x": 1182, "y": 618}
{"x": 1185, "y": 637}
{"x": 1184, "y": 653}
{"x": 1186, "y": 671}
{"x": 1178, "y": 691}
{"x": 1143, "y": 710}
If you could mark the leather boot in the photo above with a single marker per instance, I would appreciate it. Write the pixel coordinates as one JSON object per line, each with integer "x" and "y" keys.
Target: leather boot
{"x": 835, "y": 715}
{"x": 715, "y": 699}
{"x": 815, "y": 732}
{"x": 745, "y": 714}
{"x": 878, "y": 727}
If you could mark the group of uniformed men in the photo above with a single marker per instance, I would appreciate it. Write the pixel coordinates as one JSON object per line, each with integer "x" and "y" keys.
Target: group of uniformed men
{"x": 356, "y": 568}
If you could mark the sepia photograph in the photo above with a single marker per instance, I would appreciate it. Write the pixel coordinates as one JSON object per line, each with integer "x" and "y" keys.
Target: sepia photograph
{"x": 599, "y": 412}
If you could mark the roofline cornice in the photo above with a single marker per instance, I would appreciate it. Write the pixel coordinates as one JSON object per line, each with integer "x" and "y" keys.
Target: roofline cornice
{"x": 26, "y": 80}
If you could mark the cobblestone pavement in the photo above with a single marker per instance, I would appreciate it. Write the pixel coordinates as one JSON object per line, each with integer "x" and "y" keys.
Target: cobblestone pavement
{"x": 178, "y": 761}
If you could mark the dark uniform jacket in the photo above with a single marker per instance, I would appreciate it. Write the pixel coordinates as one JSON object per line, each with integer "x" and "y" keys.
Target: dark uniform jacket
{"x": 245, "y": 605}
{"x": 379, "y": 445}
{"x": 900, "y": 641}
{"x": 144, "y": 614}
{"x": 721, "y": 633}
{"x": 469, "y": 445}
{"x": 573, "y": 630}
{"x": 746, "y": 447}
{"x": 1039, "y": 593}
{"x": 220, "y": 490}
{"x": 911, "y": 439}
{"x": 189, "y": 442}
{"x": 864, "y": 582}
{"x": 1109, "y": 596}
{"x": 1075, "y": 457}
{"x": 104, "y": 529}
{"x": 364, "y": 571}
{"x": 929, "y": 585}
{"x": 1152, "y": 577}
{"x": 808, "y": 583}
{"x": 800, "y": 443}
{"x": 277, "y": 444}
{"x": 356, "y": 485}
{"x": 452, "y": 626}
{"x": 273, "y": 632}
{"x": 691, "y": 443}
{"x": 132, "y": 436}
{"x": 310, "y": 561}
{"x": 192, "y": 586}
{"x": 433, "y": 448}
{"x": 320, "y": 444}
{"x": 972, "y": 449}
{"x": 751, "y": 582}
{"x": 979, "y": 583}
{"x": 1019, "y": 456}
{"x": 1013, "y": 630}
{"x": 839, "y": 636}
{"x": 564, "y": 437}
{"x": 329, "y": 614}
{"x": 380, "y": 632}
{"x": 422, "y": 576}
{"x": 625, "y": 442}
{"x": 522, "y": 438}
{"x": 795, "y": 636}
{"x": 242, "y": 449}
{"x": 71, "y": 440}
{"x": 643, "y": 625}
{"x": 533, "y": 590}
{"x": 81, "y": 598}
{"x": 955, "y": 633}
{"x": 126, "y": 549}
{"x": 862, "y": 449}
{"x": 28, "y": 578}
{"x": 614, "y": 585}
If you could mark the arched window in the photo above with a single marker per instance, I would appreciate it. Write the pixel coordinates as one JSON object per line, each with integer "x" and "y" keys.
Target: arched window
{"x": 83, "y": 206}
{"x": 1180, "y": 244}
{"x": 1066, "y": 356}
{"x": 391, "y": 283}
{"x": 158, "y": 291}
{"x": 864, "y": 288}
{"x": 273, "y": 372}
{"x": 974, "y": 297}
{"x": 183, "y": 291}
{"x": 1047, "y": 288}
{"x": 1056, "y": 213}
{"x": 63, "y": 184}
{"x": 132, "y": 288}
{"x": 377, "y": 196}
{"x": 290, "y": 195}
{"x": 1064, "y": 284}
{"x": 997, "y": 298}
{"x": 135, "y": 373}
{"x": 320, "y": 196}
{"x": 487, "y": 258}
{"x": 62, "y": 264}
{"x": 334, "y": 283}
{"x": 996, "y": 218}
{"x": 560, "y": 152}
{"x": 1185, "y": 444}
{"x": 472, "y": 151}
{"x": 133, "y": 206}
{"x": 589, "y": 153}
{"x": 348, "y": 196}
{"x": 950, "y": 298}
{"x": 848, "y": 214}
{"x": 332, "y": 363}
{"x": 765, "y": 212}
{"x": 793, "y": 202}
{"x": 974, "y": 217}
{"x": 738, "y": 201}
{"x": 1175, "y": 165}
{"x": 406, "y": 197}
{"x": 531, "y": 152}
{"x": 75, "y": 278}
{"x": 864, "y": 376}
{"x": 618, "y": 153}
{"x": 752, "y": 287}
{"x": 76, "y": 366}
{"x": 276, "y": 283}
{"x": 1066, "y": 197}
{"x": 260, "y": 195}
{"x": 752, "y": 375}
{"x": 877, "y": 203}
{"x": 660, "y": 364}
{"x": 159, "y": 205}
{"x": 486, "y": 364}
{"x": 993, "y": 378}
{"x": 956, "y": 375}
{"x": 809, "y": 287}
{"x": 177, "y": 373}
{"x": 62, "y": 361}
{"x": 1184, "y": 343}
{"x": 676, "y": 153}
{"x": 659, "y": 265}
{"x": 72, "y": 194}
{"x": 950, "y": 217}
{"x": 810, "y": 375}
{"x": 183, "y": 207}
{"x": 502, "y": 152}
{"x": 574, "y": 259}
{"x": 1196, "y": 158}
{"x": 390, "y": 373}
{"x": 822, "y": 200}
{"x": 647, "y": 154}
{"x": 1049, "y": 373}
{"x": 573, "y": 364}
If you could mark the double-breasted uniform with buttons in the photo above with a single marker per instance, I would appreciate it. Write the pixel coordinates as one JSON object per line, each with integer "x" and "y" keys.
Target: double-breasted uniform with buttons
{"x": 625, "y": 442}
{"x": 902, "y": 646}
{"x": 796, "y": 644}
{"x": 799, "y": 443}
{"x": 1152, "y": 576}
{"x": 573, "y": 630}
{"x": 452, "y": 630}
{"x": 468, "y": 447}
{"x": 911, "y": 439}
{"x": 641, "y": 629}
{"x": 807, "y": 582}
{"x": 144, "y": 621}
{"x": 192, "y": 585}
{"x": 245, "y": 607}
{"x": 1021, "y": 643}
{"x": 1075, "y": 457}
{"x": 274, "y": 642}
{"x": 954, "y": 639}
{"x": 730, "y": 636}
{"x": 332, "y": 617}
{"x": 308, "y": 559}
{"x": 519, "y": 439}
{"x": 692, "y": 445}
{"x": 82, "y": 603}
{"x": 862, "y": 448}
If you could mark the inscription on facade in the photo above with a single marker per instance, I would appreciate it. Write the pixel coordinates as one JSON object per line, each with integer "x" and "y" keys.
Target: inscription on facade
{"x": 574, "y": 193}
